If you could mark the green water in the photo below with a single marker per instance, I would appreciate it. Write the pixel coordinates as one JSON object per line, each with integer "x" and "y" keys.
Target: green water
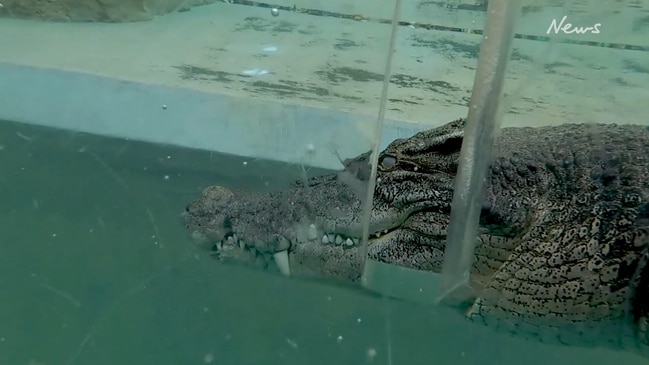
{"x": 96, "y": 268}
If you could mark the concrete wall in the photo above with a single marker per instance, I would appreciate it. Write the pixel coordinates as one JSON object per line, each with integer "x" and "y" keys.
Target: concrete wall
{"x": 94, "y": 10}
{"x": 622, "y": 21}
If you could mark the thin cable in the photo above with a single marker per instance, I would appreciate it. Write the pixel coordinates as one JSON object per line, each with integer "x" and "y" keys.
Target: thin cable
{"x": 367, "y": 209}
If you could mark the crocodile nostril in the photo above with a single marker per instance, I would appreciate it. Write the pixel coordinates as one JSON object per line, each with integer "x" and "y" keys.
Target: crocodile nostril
{"x": 227, "y": 223}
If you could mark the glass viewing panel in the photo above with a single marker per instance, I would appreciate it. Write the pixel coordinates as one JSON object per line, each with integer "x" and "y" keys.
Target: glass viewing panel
{"x": 164, "y": 164}
{"x": 159, "y": 176}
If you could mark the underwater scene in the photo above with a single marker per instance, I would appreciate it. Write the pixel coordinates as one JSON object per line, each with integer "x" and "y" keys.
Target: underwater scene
{"x": 294, "y": 182}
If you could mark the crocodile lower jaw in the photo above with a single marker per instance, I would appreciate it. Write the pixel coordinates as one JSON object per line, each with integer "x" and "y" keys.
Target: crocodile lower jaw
{"x": 265, "y": 257}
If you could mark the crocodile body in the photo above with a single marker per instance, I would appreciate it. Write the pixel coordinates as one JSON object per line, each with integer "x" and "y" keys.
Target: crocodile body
{"x": 563, "y": 241}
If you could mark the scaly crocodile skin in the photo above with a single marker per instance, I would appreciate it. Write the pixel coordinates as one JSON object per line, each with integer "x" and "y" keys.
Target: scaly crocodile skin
{"x": 564, "y": 231}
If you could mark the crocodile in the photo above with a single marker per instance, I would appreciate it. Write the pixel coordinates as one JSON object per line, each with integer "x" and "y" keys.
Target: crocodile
{"x": 563, "y": 240}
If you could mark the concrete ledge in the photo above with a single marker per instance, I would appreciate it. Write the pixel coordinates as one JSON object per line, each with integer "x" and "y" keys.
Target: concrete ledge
{"x": 125, "y": 109}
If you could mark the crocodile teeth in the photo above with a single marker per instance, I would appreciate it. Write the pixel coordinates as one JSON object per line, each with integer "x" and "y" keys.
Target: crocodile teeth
{"x": 377, "y": 234}
{"x": 281, "y": 259}
{"x": 325, "y": 239}
{"x": 355, "y": 240}
{"x": 242, "y": 244}
{"x": 331, "y": 237}
{"x": 339, "y": 240}
{"x": 313, "y": 232}
{"x": 231, "y": 240}
{"x": 219, "y": 245}
{"x": 349, "y": 242}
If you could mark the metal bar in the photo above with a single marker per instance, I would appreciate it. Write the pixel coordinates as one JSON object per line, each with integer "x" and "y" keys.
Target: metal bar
{"x": 482, "y": 122}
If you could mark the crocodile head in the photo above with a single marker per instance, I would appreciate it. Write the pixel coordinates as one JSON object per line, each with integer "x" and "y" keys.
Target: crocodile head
{"x": 314, "y": 228}
{"x": 563, "y": 245}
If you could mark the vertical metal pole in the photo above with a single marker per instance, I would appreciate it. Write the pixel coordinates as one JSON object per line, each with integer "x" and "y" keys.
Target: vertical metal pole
{"x": 482, "y": 123}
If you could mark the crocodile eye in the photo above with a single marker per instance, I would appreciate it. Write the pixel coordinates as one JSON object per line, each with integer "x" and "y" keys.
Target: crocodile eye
{"x": 388, "y": 161}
